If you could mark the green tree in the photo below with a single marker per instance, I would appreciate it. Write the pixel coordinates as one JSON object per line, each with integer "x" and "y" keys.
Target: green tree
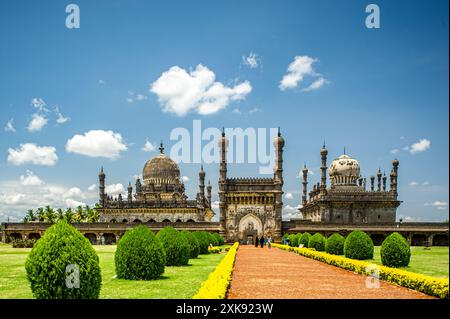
{"x": 59, "y": 214}
{"x": 49, "y": 214}
{"x": 69, "y": 215}
{"x": 40, "y": 214}
{"x": 79, "y": 214}
{"x": 29, "y": 217}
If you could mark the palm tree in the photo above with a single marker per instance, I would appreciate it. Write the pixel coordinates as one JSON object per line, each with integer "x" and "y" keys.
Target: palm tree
{"x": 92, "y": 215}
{"x": 79, "y": 214}
{"x": 40, "y": 214}
{"x": 59, "y": 214}
{"x": 29, "y": 217}
{"x": 69, "y": 215}
{"x": 49, "y": 214}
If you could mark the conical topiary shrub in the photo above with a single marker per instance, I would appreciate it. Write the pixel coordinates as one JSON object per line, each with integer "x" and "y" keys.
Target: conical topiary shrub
{"x": 395, "y": 251}
{"x": 63, "y": 265}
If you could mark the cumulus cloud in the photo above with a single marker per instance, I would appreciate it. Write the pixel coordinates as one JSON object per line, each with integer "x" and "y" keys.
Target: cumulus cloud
{"x": 38, "y": 121}
{"x": 115, "y": 189}
{"x": 10, "y": 126}
{"x": 73, "y": 192}
{"x": 441, "y": 205}
{"x": 290, "y": 212}
{"x": 252, "y": 60}
{"x": 180, "y": 92}
{"x": 33, "y": 154}
{"x": 185, "y": 179}
{"x": 92, "y": 188}
{"x": 301, "y": 68}
{"x": 97, "y": 143}
{"x": 30, "y": 179}
{"x": 420, "y": 146}
{"x": 413, "y": 183}
{"x": 289, "y": 196}
{"x": 71, "y": 203}
{"x": 148, "y": 146}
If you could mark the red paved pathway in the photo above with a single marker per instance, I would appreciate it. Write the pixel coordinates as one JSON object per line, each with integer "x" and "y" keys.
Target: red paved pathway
{"x": 278, "y": 274}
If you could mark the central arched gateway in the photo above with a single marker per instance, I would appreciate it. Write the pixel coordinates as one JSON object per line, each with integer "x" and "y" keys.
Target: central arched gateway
{"x": 250, "y": 227}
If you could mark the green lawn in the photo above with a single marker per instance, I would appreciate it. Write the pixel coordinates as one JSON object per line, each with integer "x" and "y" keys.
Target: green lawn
{"x": 431, "y": 262}
{"x": 177, "y": 282}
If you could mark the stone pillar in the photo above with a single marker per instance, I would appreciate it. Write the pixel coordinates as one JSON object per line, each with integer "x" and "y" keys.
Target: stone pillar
{"x": 305, "y": 185}
{"x": 323, "y": 168}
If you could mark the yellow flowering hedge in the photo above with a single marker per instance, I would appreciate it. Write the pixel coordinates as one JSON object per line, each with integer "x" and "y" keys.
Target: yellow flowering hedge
{"x": 429, "y": 285}
{"x": 215, "y": 287}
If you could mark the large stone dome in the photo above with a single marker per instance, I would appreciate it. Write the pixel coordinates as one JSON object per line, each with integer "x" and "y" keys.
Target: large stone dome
{"x": 161, "y": 170}
{"x": 344, "y": 170}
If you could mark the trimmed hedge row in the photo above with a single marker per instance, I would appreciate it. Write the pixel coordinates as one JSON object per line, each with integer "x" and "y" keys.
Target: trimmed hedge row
{"x": 215, "y": 287}
{"x": 432, "y": 286}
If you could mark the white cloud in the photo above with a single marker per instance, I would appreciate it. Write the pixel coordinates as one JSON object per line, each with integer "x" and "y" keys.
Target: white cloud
{"x": 236, "y": 111}
{"x": 185, "y": 179}
{"x": 426, "y": 183}
{"x": 31, "y": 153}
{"x": 289, "y": 196}
{"x": 73, "y": 192}
{"x": 420, "y": 146}
{"x": 441, "y": 205}
{"x": 39, "y": 104}
{"x": 60, "y": 119}
{"x": 253, "y": 60}
{"x": 10, "y": 126}
{"x": 74, "y": 203}
{"x": 180, "y": 92}
{"x": 395, "y": 151}
{"x": 413, "y": 183}
{"x": 11, "y": 199}
{"x": 92, "y": 188}
{"x": 254, "y": 110}
{"x": 97, "y": 143}
{"x": 133, "y": 96}
{"x": 115, "y": 189}
{"x": 290, "y": 212}
{"x": 298, "y": 70}
{"x": 148, "y": 146}
{"x": 30, "y": 179}
{"x": 215, "y": 205}
{"x": 317, "y": 84}
{"x": 37, "y": 122}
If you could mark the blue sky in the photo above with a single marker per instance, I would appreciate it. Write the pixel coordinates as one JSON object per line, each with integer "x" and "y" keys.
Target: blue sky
{"x": 383, "y": 90}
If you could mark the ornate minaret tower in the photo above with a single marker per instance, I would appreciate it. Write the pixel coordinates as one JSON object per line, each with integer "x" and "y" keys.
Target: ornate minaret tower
{"x": 101, "y": 187}
{"x": 305, "y": 185}
{"x": 384, "y": 182}
{"x": 223, "y": 144}
{"x": 379, "y": 180}
{"x": 208, "y": 192}
{"x": 323, "y": 168}
{"x": 395, "y": 176}
{"x": 201, "y": 176}
{"x": 130, "y": 194}
{"x": 279, "y": 144}
{"x": 372, "y": 183}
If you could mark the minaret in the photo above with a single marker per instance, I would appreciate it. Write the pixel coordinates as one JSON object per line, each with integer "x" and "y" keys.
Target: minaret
{"x": 138, "y": 185}
{"x": 364, "y": 184}
{"x": 101, "y": 187}
{"x": 323, "y": 168}
{"x": 384, "y": 182}
{"x": 379, "y": 180}
{"x": 372, "y": 183}
{"x": 130, "y": 194}
{"x": 395, "y": 176}
{"x": 305, "y": 185}
{"x": 223, "y": 144}
{"x": 208, "y": 192}
{"x": 279, "y": 144}
{"x": 201, "y": 176}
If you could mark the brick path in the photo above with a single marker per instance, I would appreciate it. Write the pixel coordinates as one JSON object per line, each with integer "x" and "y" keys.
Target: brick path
{"x": 278, "y": 274}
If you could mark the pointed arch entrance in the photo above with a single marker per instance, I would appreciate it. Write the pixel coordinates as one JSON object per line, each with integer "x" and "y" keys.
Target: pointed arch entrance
{"x": 250, "y": 227}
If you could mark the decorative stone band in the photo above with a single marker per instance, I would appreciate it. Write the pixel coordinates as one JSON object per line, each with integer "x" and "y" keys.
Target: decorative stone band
{"x": 429, "y": 285}
{"x": 216, "y": 286}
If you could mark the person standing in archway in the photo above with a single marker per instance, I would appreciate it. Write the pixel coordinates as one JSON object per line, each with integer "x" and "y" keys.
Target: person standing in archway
{"x": 256, "y": 239}
{"x": 261, "y": 241}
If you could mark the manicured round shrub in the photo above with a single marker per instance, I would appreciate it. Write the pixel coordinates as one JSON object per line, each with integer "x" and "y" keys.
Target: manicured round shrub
{"x": 335, "y": 244}
{"x": 293, "y": 240}
{"x": 219, "y": 239}
{"x": 358, "y": 245}
{"x": 213, "y": 239}
{"x": 304, "y": 240}
{"x": 139, "y": 255}
{"x": 175, "y": 245}
{"x": 299, "y": 236}
{"x": 317, "y": 241}
{"x": 395, "y": 251}
{"x": 194, "y": 246}
{"x": 63, "y": 265}
{"x": 203, "y": 240}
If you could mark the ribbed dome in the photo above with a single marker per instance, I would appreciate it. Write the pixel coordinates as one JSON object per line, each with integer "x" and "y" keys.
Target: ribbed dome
{"x": 344, "y": 170}
{"x": 161, "y": 170}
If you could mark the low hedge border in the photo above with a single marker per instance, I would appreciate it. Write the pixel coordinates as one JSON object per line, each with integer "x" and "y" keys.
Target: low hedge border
{"x": 429, "y": 285}
{"x": 215, "y": 287}
{"x": 214, "y": 250}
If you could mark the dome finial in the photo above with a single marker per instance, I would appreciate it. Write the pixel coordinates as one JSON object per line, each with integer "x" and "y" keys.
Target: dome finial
{"x": 344, "y": 151}
{"x": 279, "y": 131}
{"x": 161, "y": 148}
